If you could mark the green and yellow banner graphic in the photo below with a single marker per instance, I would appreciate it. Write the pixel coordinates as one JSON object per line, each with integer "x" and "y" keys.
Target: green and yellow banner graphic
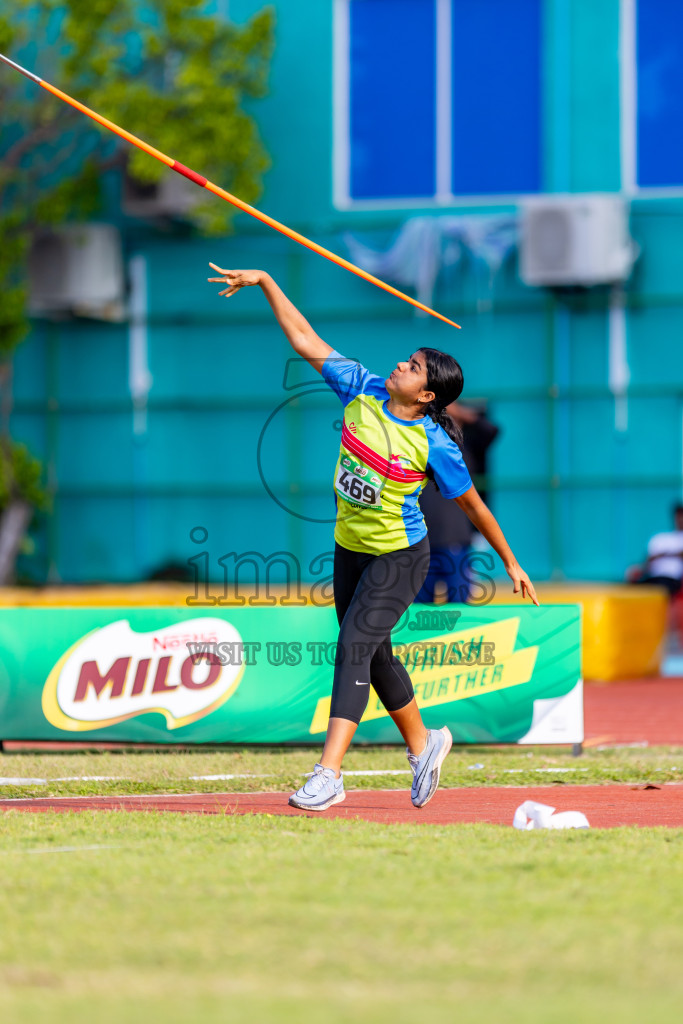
{"x": 505, "y": 674}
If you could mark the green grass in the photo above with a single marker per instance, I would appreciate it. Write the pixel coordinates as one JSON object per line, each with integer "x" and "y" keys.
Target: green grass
{"x": 256, "y": 919}
{"x": 274, "y": 769}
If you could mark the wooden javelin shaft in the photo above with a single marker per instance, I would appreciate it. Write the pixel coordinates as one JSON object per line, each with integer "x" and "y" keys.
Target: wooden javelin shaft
{"x": 221, "y": 192}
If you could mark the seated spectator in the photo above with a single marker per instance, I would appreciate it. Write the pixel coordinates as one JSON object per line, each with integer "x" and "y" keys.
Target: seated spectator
{"x": 664, "y": 565}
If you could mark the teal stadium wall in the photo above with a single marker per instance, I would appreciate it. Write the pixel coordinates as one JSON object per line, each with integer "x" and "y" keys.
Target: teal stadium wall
{"x": 577, "y": 497}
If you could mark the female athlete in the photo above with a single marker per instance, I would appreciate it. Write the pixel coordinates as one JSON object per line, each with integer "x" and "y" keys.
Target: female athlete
{"x": 395, "y": 436}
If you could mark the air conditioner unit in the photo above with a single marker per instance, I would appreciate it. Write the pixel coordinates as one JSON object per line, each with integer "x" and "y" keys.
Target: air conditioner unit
{"x": 575, "y": 240}
{"x": 77, "y": 269}
{"x": 171, "y": 196}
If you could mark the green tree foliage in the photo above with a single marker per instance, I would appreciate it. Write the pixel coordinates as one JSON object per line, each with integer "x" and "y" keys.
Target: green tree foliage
{"x": 21, "y": 473}
{"x": 165, "y": 70}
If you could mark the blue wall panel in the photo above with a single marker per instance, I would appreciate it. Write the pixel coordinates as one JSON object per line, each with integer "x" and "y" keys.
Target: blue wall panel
{"x": 523, "y": 448}
{"x": 29, "y": 429}
{"x": 503, "y": 352}
{"x": 96, "y": 539}
{"x": 655, "y": 346}
{"x": 92, "y": 360}
{"x": 196, "y": 449}
{"x": 524, "y": 514}
{"x": 657, "y": 227}
{"x": 31, "y": 367}
{"x": 589, "y": 116}
{"x": 497, "y": 103}
{"x": 588, "y": 356}
{"x": 589, "y": 548}
{"x": 660, "y": 92}
{"x": 591, "y": 437}
{"x": 654, "y": 436}
{"x": 392, "y": 98}
{"x": 230, "y": 528}
{"x": 95, "y": 449}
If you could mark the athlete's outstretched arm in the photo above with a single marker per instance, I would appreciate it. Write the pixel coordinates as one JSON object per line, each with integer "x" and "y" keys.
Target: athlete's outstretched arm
{"x": 298, "y": 331}
{"x": 484, "y": 520}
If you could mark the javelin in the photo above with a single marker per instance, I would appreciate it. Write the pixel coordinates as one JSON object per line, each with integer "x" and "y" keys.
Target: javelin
{"x": 187, "y": 172}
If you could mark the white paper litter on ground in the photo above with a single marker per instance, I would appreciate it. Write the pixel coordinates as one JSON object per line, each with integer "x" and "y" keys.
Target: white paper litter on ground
{"x": 531, "y": 815}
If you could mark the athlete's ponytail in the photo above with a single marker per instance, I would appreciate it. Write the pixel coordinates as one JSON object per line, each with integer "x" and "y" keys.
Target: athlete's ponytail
{"x": 445, "y": 379}
{"x": 441, "y": 417}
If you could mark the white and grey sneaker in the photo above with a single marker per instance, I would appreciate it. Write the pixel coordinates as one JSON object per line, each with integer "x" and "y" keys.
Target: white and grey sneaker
{"x": 427, "y": 766}
{"x": 321, "y": 791}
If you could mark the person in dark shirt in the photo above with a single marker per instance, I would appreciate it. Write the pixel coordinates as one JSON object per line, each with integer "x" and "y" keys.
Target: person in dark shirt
{"x": 450, "y": 531}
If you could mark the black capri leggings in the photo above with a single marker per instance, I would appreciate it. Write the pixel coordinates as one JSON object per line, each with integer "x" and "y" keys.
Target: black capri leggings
{"x": 371, "y": 593}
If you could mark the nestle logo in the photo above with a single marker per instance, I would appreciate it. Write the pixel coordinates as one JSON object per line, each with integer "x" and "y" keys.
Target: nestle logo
{"x": 116, "y": 673}
{"x": 175, "y": 642}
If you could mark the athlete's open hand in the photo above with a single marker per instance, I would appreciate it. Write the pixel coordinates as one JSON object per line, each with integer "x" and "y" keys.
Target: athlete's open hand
{"x": 520, "y": 581}
{"x": 235, "y": 279}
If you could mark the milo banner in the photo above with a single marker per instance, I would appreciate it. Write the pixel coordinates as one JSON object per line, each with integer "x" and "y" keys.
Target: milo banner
{"x": 503, "y": 674}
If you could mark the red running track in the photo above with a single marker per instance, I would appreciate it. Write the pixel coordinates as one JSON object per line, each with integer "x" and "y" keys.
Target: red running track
{"x": 647, "y": 711}
{"x": 604, "y": 806}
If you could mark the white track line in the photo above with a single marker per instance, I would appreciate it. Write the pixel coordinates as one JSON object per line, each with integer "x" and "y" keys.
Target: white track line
{"x": 67, "y": 849}
{"x": 23, "y": 782}
{"x": 90, "y": 778}
{"x": 550, "y": 771}
{"x": 626, "y": 746}
{"x": 102, "y": 796}
{"x": 223, "y": 778}
{"x": 9, "y": 781}
{"x": 62, "y": 778}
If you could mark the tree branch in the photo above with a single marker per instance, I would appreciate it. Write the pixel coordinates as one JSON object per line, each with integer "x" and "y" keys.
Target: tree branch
{"x": 34, "y": 138}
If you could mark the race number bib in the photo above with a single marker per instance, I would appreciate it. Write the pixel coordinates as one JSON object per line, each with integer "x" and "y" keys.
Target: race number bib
{"x": 357, "y": 484}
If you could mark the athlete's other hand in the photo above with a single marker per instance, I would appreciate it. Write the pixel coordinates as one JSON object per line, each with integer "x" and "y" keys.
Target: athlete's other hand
{"x": 235, "y": 279}
{"x": 520, "y": 581}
